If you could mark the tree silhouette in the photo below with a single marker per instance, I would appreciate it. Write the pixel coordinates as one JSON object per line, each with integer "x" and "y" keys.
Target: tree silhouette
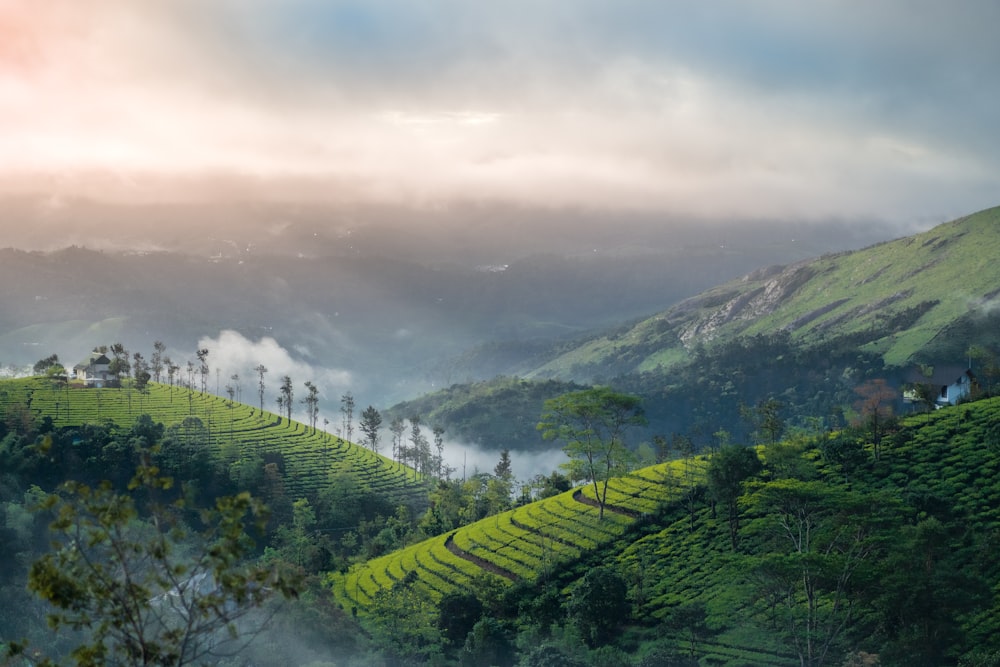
{"x": 261, "y": 369}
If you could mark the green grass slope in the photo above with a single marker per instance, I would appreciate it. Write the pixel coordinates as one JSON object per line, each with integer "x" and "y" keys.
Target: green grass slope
{"x": 522, "y": 544}
{"x": 896, "y": 298}
{"x": 233, "y": 430}
{"x": 677, "y": 555}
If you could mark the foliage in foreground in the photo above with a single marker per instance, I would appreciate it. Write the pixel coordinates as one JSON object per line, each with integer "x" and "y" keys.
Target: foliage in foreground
{"x": 148, "y": 590}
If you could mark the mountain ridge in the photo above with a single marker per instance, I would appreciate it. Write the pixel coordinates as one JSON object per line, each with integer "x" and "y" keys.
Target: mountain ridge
{"x": 897, "y": 296}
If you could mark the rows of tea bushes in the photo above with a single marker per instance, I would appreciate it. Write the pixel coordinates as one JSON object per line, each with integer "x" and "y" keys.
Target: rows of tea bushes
{"x": 230, "y": 428}
{"x": 944, "y": 465}
{"x": 519, "y": 544}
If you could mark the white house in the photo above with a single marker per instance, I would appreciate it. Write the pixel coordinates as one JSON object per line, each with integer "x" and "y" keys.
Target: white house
{"x": 950, "y": 385}
{"x": 94, "y": 370}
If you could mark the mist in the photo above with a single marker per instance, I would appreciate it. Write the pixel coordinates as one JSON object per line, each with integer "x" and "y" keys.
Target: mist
{"x": 231, "y": 353}
{"x": 468, "y": 459}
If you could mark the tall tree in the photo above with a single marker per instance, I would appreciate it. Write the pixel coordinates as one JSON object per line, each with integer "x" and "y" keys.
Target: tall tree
{"x": 42, "y": 365}
{"x": 371, "y": 422}
{"x": 598, "y": 604}
{"x": 235, "y": 377}
{"x": 311, "y": 402}
{"x": 140, "y": 372}
{"x": 157, "y": 361}
{"x": 287, "y": 395}
{"x": 203, "y": 369}
{"x": 419, "y": 446}
{"x": 347, "y": 410}
{"x": 593, "y": 424}
{"x": 397, "y": 428}
{"x": 261, "y": 369}
{"x": 119, "y": 365}
{"x": 442, "y": 469}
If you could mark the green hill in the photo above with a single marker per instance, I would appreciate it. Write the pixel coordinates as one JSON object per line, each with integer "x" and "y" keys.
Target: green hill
{"x": 520, "y": 544}
{"x": 232, "y": 431}
{"x": 896, "y": 550}
{"x": 912, "y": 299}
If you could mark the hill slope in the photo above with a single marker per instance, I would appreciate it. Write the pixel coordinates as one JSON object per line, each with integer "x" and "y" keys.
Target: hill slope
{"x": 933, "y": 490}
{"x": 922, "y": 294}
{"x": 232, "y": 431}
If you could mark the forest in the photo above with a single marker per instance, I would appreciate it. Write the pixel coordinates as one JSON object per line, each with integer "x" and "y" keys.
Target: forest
{"x": 862, "y": 541}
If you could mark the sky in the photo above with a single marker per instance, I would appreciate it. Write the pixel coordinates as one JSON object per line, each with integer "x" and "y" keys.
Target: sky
{"x": 777, "y": 109}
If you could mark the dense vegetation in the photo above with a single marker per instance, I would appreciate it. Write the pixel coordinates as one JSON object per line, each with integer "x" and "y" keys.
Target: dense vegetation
{"x": 697, "y": 557}
{"x": 815, "y": 553}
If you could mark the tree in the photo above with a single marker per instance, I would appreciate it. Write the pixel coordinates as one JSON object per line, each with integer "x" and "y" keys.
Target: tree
{"x": 43, "y": 365}
{"x": 311, "y": 402}
{"x": 371, "y": 422}
{"x": 151, "y": 592}
{"x": 502, "y": 469}
{"x": 875, "y": 407}
{"x": 347, "y": 409}
{"x": 599, "y": 604}
{"x": 458, "y": 612}
{"x": 286, "y": 395}
{"x": 261, "y": 370}
{"x": 140, "y": 372}
{"x": 926, "y": 586}
{"x": 592, "y": 423}
{"x": 202, "y": 355}
{"x": 157, "y": 362}
{"x": 420, "y": 448}
{"x": 397, "y": 428}
{"x": 727, "y": 470}
{"x": 235, "y": 377}
{"x": 489, "y": 643}
{"x": 822, "y": 539}
{"x": 119, "y": 365}
{"x": 442, "y": 470}
{"x": 765, "y": 420}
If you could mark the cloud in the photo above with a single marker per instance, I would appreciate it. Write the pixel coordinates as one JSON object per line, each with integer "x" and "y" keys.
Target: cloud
{"x": 524, "y": 464}
{"x": 777, "y": 109}
{"x": 231, "y": 353}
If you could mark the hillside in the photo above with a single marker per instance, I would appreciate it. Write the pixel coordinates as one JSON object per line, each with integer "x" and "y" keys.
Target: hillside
{"x": 309, "y": 460}
{"x": 917, "y": 298}
{"x": 931, "y": 494}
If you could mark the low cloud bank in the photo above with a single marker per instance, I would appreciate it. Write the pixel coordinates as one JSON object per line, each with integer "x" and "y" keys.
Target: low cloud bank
{"x": 232, "y": 353}
{"x": 525, "y": 465}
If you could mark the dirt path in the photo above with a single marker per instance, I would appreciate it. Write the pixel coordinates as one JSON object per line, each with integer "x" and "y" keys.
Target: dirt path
{"x": 580, "y": 498}
{"x": 476, "y": 560}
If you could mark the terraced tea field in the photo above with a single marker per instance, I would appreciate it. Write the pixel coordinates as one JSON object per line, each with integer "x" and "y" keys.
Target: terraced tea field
{"x": 310, "y": 456}
{"x": 520, "y": 544}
